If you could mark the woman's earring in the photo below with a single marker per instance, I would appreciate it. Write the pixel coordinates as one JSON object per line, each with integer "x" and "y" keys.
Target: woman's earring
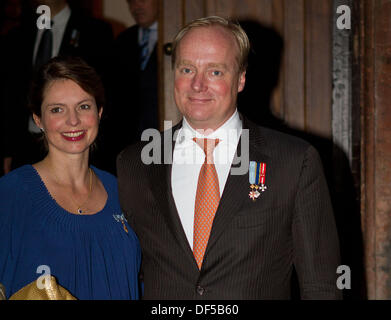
{"x": 42, "y": 129}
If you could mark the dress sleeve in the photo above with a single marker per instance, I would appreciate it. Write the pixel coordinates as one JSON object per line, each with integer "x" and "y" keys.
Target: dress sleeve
{"x": 316, "y": 246}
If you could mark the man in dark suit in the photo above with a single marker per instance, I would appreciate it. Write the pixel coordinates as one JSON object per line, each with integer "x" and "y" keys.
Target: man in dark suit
{"x": 239, "y": 206}
{"x": 72, "y": 33}
{"x": 134, "y": 78}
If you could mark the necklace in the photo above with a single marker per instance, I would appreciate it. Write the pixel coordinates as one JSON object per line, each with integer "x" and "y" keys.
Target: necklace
{"x": 79, "y": 210}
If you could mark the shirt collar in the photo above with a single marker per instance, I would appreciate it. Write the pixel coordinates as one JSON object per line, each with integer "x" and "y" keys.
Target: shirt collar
{"x": 228, "y": 133}
{"x": 154, "y": 26}
{"x": 153, "y": 29}
{"x": 62, "y": 17}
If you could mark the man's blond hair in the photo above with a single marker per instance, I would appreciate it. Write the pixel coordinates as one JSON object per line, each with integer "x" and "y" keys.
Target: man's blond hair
{"x": 233, "y": 28}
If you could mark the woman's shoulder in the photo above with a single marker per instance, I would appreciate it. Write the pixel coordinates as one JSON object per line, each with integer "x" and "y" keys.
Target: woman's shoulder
{"x": 16, "y": 179}
{"x": 106, "y": 177}
{"x": 15, "y": 193}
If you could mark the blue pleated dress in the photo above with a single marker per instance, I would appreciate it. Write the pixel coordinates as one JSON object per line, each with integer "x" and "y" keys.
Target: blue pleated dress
{"x": 92, "y": 256}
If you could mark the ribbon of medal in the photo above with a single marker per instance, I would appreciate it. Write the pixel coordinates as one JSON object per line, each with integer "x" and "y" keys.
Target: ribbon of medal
{"x": 257, "y": 174}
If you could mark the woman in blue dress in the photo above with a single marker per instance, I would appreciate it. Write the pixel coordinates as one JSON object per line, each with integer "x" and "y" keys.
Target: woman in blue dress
{"x": 61, "y": 215}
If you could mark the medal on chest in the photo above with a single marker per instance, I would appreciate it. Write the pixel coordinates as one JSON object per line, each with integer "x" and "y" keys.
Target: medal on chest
{"x": 257, "y": 175}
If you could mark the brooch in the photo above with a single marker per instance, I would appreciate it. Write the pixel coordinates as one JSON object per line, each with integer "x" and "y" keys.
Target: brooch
{"x": 121, "y": 218}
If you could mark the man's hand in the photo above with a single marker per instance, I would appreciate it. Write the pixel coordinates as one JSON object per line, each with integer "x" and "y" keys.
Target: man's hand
{"x": 7, "y": 164}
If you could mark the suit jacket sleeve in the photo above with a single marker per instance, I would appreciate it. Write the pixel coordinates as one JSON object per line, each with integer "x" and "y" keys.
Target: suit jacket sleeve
{"x": 316, "y": 248}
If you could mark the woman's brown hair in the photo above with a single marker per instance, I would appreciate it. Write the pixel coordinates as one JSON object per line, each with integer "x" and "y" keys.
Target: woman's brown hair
{"x": 65, "y": 68}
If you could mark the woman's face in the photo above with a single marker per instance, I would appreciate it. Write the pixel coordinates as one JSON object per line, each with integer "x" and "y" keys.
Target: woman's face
{"x": 69, "y": 117}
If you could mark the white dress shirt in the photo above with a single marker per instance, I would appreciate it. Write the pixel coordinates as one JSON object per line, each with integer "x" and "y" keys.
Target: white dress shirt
{"x": 188, "y": 158}
{"x": 60, "y": 21}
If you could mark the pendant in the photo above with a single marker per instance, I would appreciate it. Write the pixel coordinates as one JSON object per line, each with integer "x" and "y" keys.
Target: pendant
{"x": 79, "y": 211}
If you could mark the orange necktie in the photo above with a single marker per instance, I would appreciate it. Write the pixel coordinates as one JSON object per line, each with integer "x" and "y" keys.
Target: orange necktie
{"x": 207, "y": 199}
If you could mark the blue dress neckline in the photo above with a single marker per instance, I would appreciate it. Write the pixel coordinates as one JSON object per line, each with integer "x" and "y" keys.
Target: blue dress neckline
{"x": 46, "y": 191}
{"x": 66, "y": 220}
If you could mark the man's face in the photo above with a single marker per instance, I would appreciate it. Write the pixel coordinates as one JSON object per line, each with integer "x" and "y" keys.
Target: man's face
{"x": 145, "y": 12}
{"x": 207, "y": 80}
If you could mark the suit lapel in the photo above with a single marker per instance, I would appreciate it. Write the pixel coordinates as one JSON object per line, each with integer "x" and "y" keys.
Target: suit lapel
{"x": 237, "y": 187}
{"x": 161, "y": 187}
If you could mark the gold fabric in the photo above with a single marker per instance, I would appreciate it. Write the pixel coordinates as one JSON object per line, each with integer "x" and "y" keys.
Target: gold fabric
{"x": 2, "y": 292}
{"x": 51, "y": 292}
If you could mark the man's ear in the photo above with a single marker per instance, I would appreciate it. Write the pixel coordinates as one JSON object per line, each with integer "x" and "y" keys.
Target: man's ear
{"x": 242, "y": 81}
{"x": 37, "y": 120}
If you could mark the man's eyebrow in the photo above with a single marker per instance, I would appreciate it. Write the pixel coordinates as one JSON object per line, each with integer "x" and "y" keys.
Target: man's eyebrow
{"x": 210, "y": 65}
{"x": 184, "y": 63}
{"x": 218, "y": 65}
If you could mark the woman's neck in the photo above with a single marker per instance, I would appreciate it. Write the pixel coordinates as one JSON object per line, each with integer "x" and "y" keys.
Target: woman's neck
{"x": 71, "y": 170}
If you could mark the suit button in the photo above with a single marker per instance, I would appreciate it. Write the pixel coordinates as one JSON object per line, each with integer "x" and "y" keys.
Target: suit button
{"x": 200, "y": 290}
